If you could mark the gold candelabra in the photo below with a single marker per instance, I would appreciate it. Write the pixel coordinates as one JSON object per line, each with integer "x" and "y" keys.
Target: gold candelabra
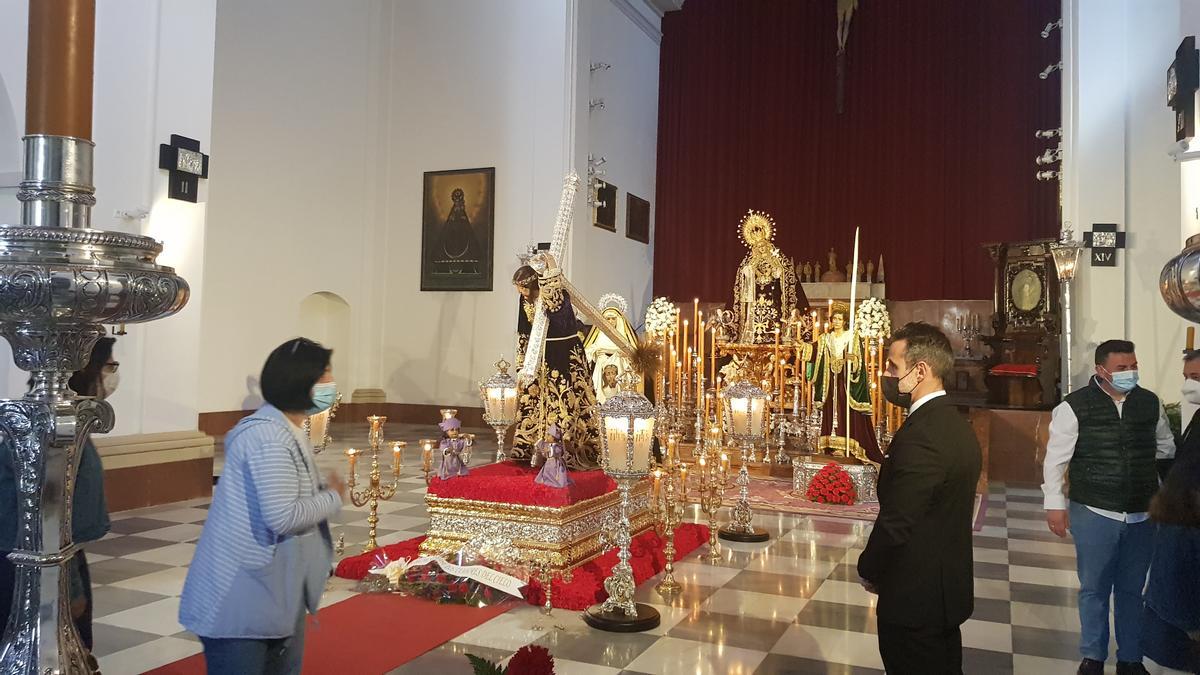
{"x": 376, "y": 490}
{"x": 714, "y": 479}
{"x": 668, "y": 500}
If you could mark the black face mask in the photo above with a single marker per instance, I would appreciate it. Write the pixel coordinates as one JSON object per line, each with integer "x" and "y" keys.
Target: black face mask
{"x": 890, "y": 386}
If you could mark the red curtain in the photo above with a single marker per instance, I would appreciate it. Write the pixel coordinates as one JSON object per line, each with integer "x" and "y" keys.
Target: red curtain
{"x": 932, "y": 156}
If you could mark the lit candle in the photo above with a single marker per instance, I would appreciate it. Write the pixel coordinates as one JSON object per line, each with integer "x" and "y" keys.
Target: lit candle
{"x": 696, "y": 315}
{"x": 724, "y": 464}
{"x": 426, "y": 454}
{"x": 682, "y": 481}
{"x": 396, "y": 458}
{"x": 657, "y": 478}
{"x": 353, "y": 455}
{"x": 685, "y": 349}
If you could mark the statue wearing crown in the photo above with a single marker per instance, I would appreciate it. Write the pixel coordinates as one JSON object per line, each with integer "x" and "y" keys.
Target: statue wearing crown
{"x": 608, "y": 360}
{"x": 765, "y": 292}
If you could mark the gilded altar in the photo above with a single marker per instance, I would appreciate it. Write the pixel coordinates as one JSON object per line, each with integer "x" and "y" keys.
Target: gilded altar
{"x": 556, "y": 539}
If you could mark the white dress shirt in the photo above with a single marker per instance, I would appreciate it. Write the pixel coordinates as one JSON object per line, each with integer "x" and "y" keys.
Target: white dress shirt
{"x": 925, "y": 399}
{"x": 1060, "y": 448}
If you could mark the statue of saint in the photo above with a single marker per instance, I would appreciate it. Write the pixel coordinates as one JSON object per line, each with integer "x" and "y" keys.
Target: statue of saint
{"x": 840, "y": 363}
{"x": 562, "y": 394}
{"x": 807, "y": 273}
{"x": 765, "y": 291}
{"x": 833, "y": 274}
{"x": 607, "y": 361}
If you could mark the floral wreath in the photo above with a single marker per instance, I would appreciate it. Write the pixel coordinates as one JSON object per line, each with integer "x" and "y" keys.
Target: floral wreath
{"x": 661, "y": 315}
{"x": 872, "y": 319}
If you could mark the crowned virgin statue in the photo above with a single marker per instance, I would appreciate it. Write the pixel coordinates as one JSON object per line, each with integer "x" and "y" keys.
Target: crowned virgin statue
{"x": 765, "y": 292}
{"x": 607, "y": 360}
{"x": 562, "y": 394}
{"x": 840, "y": 363}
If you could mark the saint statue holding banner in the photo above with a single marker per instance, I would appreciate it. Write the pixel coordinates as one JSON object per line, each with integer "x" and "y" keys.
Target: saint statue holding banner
{"x": 839, "y": 363}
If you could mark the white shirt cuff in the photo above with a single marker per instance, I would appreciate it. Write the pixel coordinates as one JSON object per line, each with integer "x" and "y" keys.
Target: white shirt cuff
{"x": 1055, "y": 503}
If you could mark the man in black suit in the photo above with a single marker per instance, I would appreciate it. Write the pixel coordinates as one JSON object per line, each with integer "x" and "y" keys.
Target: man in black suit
{"x": 918, "y": 558}
{"x": 1189, "y": 441}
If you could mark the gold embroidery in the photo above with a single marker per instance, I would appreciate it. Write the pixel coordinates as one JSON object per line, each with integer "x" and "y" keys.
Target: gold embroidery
{"x": 551, "y": 291}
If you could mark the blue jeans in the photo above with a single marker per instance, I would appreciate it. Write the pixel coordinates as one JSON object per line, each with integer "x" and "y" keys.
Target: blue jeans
{"x": 1113, "y": 558}
{"x": 237, "y": 656}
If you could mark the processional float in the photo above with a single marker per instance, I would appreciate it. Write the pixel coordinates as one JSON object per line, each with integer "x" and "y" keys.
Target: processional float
{"x": 60, "y": 282}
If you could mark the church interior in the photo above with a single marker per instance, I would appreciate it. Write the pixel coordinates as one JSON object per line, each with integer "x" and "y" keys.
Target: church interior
{"x": 609, "y": 288}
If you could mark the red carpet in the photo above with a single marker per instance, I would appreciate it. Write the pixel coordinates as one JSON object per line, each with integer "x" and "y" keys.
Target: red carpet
{"x": 374, "y": 632}
{"x": 586, "y": 587}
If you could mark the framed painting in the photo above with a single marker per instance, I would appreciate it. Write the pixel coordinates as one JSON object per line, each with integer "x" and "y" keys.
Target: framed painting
{"x": 637, "y": 218}
{"x": 458, "y": 211}
{"x": 606, "y": 208}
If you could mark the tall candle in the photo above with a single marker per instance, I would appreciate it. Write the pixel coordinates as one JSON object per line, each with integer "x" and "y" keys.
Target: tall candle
{"x": 695, "y": 317}
{"x": 353, "y": 455}
{"x": 1191, "y": 338}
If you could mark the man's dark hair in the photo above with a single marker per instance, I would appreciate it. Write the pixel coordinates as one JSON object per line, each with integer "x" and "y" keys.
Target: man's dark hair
{"x": 1178, "y": 500}
{"x": 86, "y": 382}
{"x": 927, "y": 343}
{"x": 1112, "y": 347}
{"x": 1191, "y": 355}
{"x": 291, "y": 371}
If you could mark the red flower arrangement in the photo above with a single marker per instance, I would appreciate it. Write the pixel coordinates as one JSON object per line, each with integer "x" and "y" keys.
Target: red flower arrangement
{"x": 529, "y": 660}
{"x": 832, "y": 485}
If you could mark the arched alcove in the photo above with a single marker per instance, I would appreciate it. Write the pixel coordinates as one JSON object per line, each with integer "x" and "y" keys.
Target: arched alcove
{"x": 325, "y": 317}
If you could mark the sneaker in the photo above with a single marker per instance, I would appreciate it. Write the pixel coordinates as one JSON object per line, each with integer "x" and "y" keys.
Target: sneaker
{"x": 1090, "y": 667}
{"x": 1131, "y": 668}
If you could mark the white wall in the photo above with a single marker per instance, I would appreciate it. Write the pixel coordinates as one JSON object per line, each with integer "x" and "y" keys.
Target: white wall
{"x": 318, "y": 156}
{"x": 1117, "y": 170}
{"x": 153, "y": 75}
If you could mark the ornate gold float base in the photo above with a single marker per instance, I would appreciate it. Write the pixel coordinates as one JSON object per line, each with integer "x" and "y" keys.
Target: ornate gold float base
{"x": 864, "y": 476}
{"x": 553, "y": 540}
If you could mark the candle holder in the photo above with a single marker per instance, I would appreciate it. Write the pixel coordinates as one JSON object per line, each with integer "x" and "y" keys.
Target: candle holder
{"x": 320, "y": 424}
{"x": 714, "y": 478}
{"x": 376, "y": 490}
{"x": 968, "y": 331}
{"x": 427, "y": 447}
{"x": 626, "y": 433}
{"x": 499, "y": 393}
{"x": 668, "y": 502}
{"x": 745, "y": 419}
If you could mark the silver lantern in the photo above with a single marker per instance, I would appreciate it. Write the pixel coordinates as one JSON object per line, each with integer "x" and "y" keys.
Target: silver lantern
{"x": 744, "y": 407}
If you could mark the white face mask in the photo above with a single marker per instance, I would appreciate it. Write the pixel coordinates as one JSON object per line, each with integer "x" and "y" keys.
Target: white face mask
{"x": 1191, "y": 391}
{"x": 109, "y": 382}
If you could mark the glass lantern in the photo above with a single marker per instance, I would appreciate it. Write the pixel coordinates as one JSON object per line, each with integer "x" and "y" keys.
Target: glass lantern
{"x": 499, "y": 394}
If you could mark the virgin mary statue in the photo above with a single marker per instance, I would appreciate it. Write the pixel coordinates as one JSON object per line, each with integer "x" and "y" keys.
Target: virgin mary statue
{"x": 840, "y": 363}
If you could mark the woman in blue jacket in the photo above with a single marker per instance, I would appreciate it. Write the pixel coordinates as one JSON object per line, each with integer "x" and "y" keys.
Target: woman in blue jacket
{"x": 265, "y": 553}
{"x": 1171, "y": 619}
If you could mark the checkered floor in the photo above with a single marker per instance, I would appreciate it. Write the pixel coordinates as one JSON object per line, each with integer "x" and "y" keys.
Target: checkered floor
{"x": 792, "y": 605}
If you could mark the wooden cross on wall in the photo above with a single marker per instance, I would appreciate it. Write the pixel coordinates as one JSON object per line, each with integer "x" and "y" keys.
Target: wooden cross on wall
{"x": 1104, "y": 240}
{"x": 186, "y": 166}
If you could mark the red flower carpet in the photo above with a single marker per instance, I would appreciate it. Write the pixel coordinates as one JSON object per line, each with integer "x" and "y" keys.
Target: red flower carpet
{"x": 587, "y": 584}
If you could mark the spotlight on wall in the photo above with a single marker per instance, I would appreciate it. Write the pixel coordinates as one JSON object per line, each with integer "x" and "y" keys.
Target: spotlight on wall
{"x": 1050, "y": 28}
{"x": 1050, "y": 69}
{"x": 600, "y": 65}
{"x": 1048, "y": 133}
{"x": 595, "y": 104}
{"x": 1049, "y": 156}
{"x": 1049, "y": 175}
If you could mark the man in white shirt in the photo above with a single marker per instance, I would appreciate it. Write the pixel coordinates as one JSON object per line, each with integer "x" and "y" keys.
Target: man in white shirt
{"x": 1110, "y": 434}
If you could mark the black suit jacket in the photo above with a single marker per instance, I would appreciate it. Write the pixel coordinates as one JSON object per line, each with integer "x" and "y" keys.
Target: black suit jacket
{"x": 1189, "y": 442}
{"x": 919, "y": 553}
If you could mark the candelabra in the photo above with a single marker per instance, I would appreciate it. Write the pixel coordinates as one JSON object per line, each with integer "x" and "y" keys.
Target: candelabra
{"x": 626, "y": 432}
{"x": 745, "y": 419}
{"x": 969, "y": 331}
{"x": 376, "y": 490}
{"x": 714, "y": 478}
{"x": 319, "y": 424}
{"x": 499, "y": 394}
{"x": 668, "y": 502}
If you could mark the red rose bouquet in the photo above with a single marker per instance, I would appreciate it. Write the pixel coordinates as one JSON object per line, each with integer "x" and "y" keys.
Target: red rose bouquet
{"x": 529, "y": 660}
{"x": 832, "y": 485}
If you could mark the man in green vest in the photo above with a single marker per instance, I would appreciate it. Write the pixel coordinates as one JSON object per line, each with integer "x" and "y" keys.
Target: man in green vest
{"x": 1109, "y": 434}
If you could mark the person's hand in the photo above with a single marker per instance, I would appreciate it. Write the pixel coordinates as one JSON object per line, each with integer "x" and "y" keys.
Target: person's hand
{"x": 334, "y": 482}
{"x": 1059, "y": 521}
{"x": 870, "y": 587}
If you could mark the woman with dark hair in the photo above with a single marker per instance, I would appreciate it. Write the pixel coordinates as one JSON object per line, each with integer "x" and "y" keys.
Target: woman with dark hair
{"x": 1171, "y": 618}
{"x": 563, "y": 393}
{"x": 265, "y": 552}
{"x": 89, "y": 514}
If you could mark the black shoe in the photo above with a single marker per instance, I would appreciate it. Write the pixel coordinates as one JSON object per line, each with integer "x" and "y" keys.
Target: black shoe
{"x": 1131, "y": 668}
{"x": 1090, "y": 667}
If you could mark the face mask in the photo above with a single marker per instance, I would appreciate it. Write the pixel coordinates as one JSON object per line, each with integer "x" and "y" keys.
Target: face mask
{"x": 1124, "y": 381}
{"x": 109, "y": 382}
{"x": 323, "y": 395}
{"x": 890, "y": 386}
{"x": 1191, "y": 391}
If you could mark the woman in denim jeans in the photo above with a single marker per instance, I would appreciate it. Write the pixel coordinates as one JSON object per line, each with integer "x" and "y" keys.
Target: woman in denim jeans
{"x": 265, "y": 552}
{"x": 1171, "y": 619}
